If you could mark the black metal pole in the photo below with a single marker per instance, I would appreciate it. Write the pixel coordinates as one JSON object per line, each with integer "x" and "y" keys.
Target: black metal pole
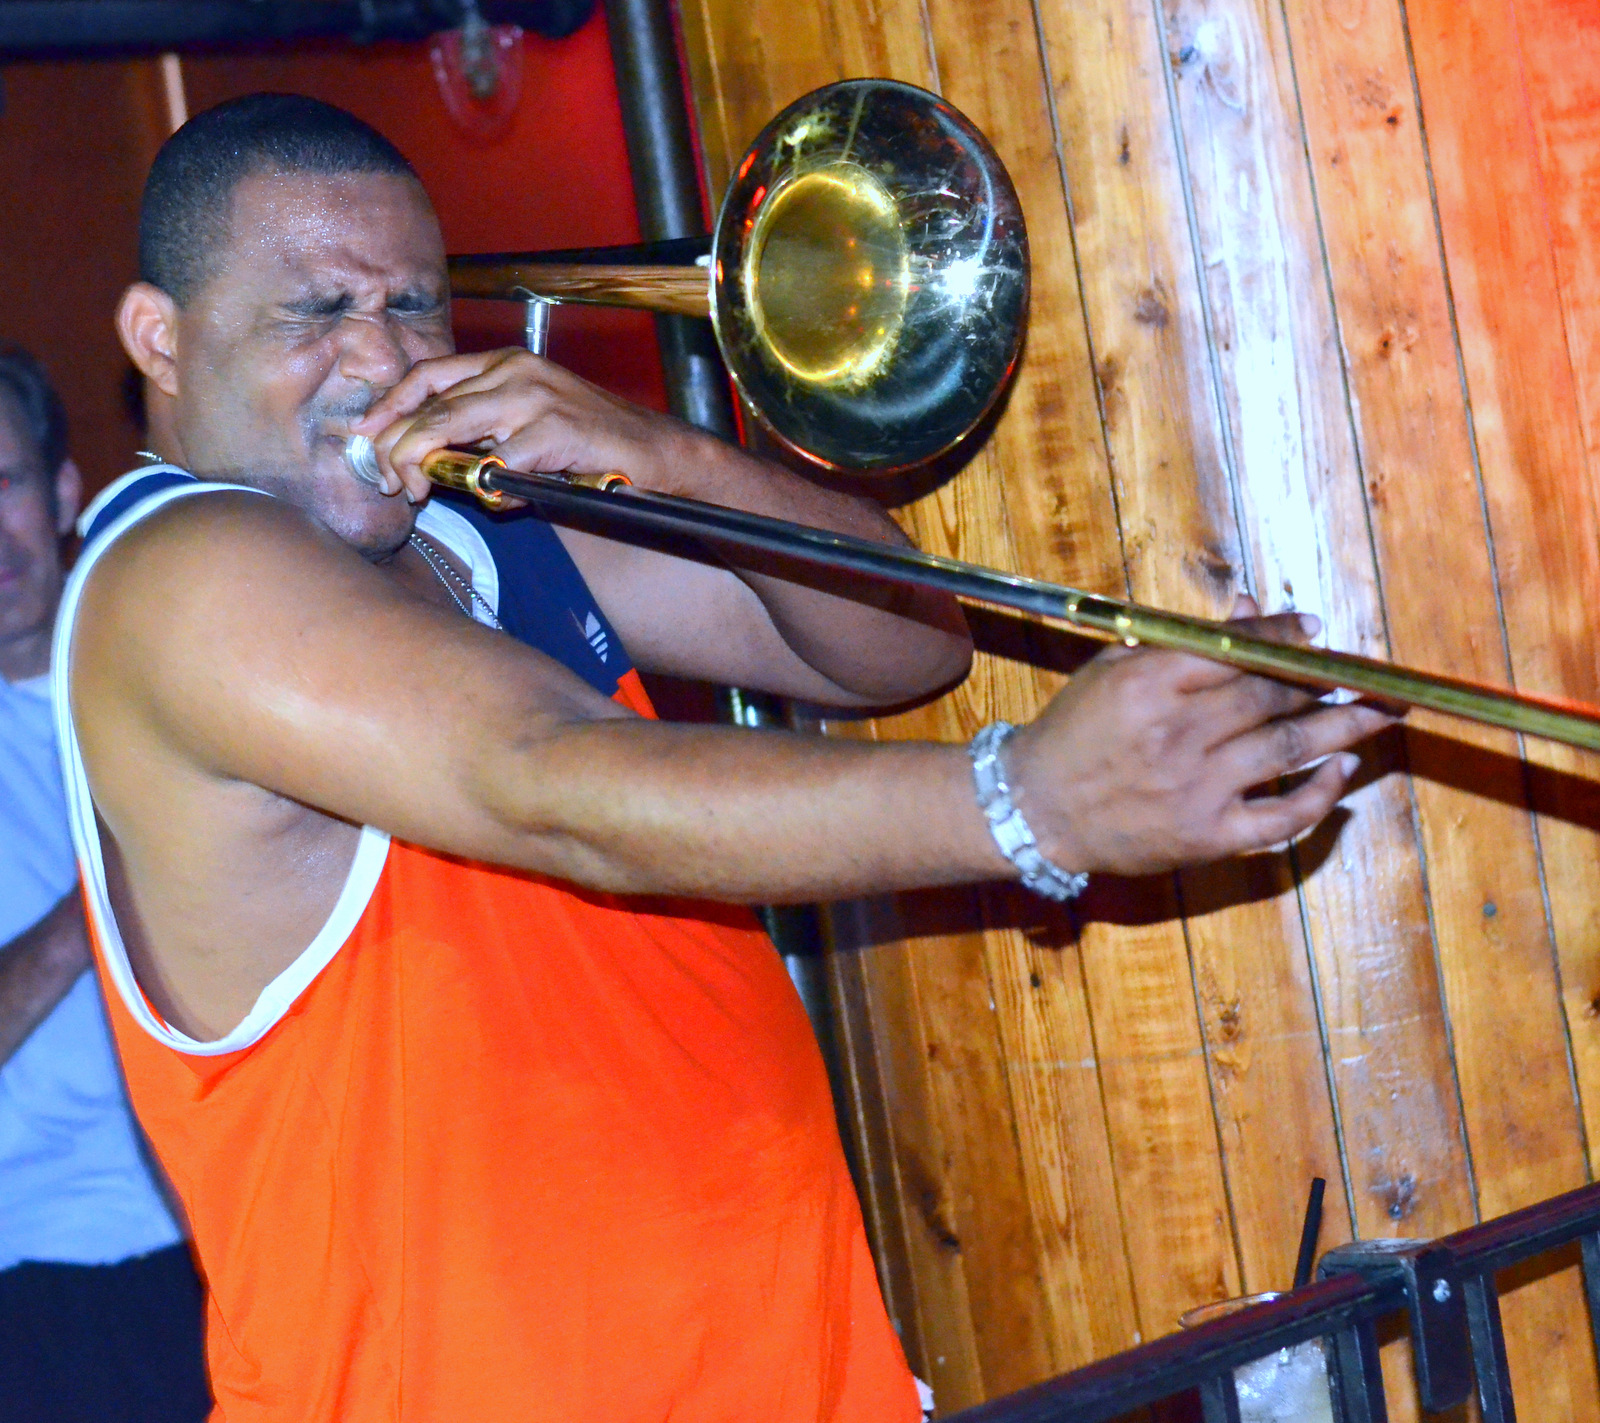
{"x": 666, "y": 189}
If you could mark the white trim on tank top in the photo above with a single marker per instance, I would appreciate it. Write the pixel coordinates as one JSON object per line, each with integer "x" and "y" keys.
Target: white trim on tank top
{"x": 443, "y": 525}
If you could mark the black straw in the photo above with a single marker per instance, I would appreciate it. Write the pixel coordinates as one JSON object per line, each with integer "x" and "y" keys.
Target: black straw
{"x": 1309, "y": 1233}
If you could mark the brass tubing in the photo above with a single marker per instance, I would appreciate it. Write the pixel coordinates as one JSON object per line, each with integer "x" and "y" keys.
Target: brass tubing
{"x": 676, "y": 291}
{"x": 1574, "y": 723}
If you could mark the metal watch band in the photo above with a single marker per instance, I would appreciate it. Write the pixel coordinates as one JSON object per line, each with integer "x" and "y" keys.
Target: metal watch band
{"x": 1011, "y": 833}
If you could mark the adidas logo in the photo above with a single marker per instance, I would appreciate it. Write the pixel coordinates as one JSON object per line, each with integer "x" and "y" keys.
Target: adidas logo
{"x": 596, "y": 636}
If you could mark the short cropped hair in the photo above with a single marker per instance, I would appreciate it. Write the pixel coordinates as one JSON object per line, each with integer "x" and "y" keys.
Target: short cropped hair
{"x": 183, "y": 218}
{"x": 44, "y": 418}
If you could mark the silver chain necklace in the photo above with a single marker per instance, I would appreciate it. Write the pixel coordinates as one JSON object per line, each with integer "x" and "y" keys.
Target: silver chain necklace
{"x": 452, "y": 581}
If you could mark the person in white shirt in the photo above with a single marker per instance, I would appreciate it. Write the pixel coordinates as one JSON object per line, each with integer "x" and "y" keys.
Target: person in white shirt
{"x": 100, "y": 1307}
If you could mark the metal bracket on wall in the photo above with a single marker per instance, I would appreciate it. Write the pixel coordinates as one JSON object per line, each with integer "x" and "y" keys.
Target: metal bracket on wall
{"x": 1436, "y": 1299}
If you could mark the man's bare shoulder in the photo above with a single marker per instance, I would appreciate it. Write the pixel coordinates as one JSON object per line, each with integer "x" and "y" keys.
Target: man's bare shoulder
{"x": 216, "y": 577}
{"x": 208, "y": 602}
{"x": 197, "y": 549}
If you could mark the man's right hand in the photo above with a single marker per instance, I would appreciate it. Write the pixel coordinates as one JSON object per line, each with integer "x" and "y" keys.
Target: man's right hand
{"x": 1143, "y": 762}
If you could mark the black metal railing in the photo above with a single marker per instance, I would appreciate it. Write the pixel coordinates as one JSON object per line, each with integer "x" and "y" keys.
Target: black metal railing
{"x": 1446, "y": 1287}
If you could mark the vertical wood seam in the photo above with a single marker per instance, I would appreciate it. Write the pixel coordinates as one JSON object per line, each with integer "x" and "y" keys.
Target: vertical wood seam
{"x": 1358, "y": 454}
{"x": 1083, "y": 305}
{"x": 1230, "y": 455}
{"x": 1357, "y": 451}
{"x": 1047, "y": 80}
{"x": 1014, "y": 1113}
{"x": 1214, "y": 1106}
{"x": 1424, "y": 875}
{"x": 914, "y": 1305}
{"x": 1527, "y": 767}
{"x": 1105, "y": 1112}
{"x": 933, "y": 52}
{"x": 714, "y": 74}
{"x": 1494, "y": 578}
{"x": 1211, "y": 1085}
{"x": 1324, "y": 1038}
{"x": 1455, "y": 335}
{"x": 858, "y": 1058}
{"x": 1235, "y": 477}
{"x": 919, "y": 1018}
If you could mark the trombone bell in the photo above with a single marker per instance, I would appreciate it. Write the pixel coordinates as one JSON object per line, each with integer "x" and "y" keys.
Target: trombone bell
{"x": 870, "y": 276}
{"x": 826, "y": 280}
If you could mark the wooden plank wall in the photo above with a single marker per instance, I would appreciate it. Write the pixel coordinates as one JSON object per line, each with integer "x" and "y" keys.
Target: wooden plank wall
{"x": 1315, "y": 316}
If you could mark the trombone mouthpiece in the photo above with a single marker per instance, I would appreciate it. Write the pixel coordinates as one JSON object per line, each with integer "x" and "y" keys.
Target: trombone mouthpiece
{"x": 361, "y": 459}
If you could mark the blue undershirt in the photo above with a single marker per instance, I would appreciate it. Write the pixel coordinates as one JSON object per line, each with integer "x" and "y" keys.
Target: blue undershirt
{"x": 75, "y": 1184}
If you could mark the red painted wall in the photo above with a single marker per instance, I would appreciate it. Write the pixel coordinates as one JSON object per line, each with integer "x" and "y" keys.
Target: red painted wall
{"x": 75, "y": 143}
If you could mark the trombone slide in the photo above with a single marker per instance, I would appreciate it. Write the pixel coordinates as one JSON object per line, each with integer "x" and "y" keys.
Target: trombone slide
{"x": 595, "y": 500}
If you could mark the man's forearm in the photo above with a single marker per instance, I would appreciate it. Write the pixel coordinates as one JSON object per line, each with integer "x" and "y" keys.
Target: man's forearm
{"x": 737, "y": 815}
{"x": 37, "y": 968}
{"x": 884, "y": 641}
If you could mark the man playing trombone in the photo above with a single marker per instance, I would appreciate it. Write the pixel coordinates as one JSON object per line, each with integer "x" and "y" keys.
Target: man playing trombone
{"x": 482, "y": 1100}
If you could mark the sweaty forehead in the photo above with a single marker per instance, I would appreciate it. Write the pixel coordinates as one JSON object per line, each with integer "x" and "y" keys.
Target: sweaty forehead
{"x": 294, "y": 232}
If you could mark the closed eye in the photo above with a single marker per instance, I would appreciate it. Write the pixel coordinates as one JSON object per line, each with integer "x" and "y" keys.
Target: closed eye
{"x": 415, "y": 304}
{"x": 320, "y": 308}
{"x": 334, "y": 305}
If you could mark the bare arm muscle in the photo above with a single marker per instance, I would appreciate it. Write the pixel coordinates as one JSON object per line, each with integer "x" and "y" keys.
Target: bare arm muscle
{"x": 38, "y": 969}
{"x": 256, "y": 648}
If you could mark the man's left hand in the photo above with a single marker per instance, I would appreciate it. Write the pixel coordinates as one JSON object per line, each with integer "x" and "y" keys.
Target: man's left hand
{"x": 530, "y": 412}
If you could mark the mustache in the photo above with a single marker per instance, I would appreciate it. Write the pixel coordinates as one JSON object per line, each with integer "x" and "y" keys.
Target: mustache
{"x": 318, "y": 415}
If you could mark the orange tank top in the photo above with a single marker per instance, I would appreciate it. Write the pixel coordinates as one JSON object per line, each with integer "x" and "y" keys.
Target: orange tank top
{"x": 524, "y": 1153}
{"x": 497, "y": 1148}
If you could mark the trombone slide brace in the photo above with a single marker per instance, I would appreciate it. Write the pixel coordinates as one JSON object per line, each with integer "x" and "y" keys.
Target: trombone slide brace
{"x": 462, "y": 470}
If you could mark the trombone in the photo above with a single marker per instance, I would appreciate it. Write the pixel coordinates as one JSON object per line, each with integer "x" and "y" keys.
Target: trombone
{"x": 868, "y": 284}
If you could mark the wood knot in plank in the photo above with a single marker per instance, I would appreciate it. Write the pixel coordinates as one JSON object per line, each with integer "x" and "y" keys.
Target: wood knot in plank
{"x": 1214, "y": 567}
{"x": 1591, "y": 1009}
{"x": 1398, "y": 1194}
{"x": 1396, "y": 338}
{"x": 1107, "y": 375}
{"x": 933, "y": 1216}
{"x": 1230, "y": 1020}
{"x": 1150, "y": 309}
{"x": 1370, "y": 91}
{"x": 1230, "y": 1048}
{"x": 922, "y": 1186}
{"x": 1124, "y": 153}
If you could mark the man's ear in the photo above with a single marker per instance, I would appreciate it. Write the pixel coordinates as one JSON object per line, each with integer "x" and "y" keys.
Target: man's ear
{"x": 147, "y": 322}
{"x": 69, "y": 494}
